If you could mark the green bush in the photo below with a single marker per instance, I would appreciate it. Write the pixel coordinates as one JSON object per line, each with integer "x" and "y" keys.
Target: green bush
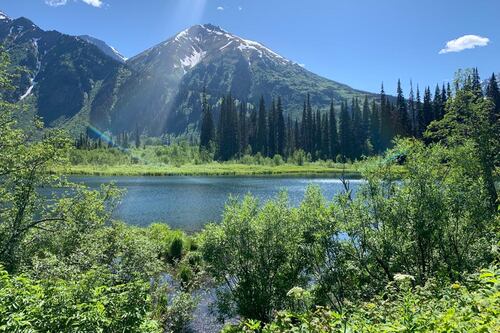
{"x": 258, "y": 253}
{"x": 89, "y": 303}
{"x": 176, "y": 249}
{"x": 473, "y": 307}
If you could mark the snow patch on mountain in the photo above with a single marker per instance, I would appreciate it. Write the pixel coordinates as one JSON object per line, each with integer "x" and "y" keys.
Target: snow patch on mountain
{"x": 244, "y": 44}
{"x": 4, "y": 17}
{"x": 104, "y": 47}
{"x": 28, "y": 92}
{"x": 193, "y": 59}
{"x": 118, "y": 54}
{"x": 34, "y": 41}
{"x": 180, "y": 35}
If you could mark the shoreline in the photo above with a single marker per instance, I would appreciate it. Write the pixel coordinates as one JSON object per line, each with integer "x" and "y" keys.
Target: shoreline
{"x": 206, "y": 170}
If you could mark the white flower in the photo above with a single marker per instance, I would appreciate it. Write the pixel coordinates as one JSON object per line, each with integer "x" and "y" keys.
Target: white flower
{"x": 403, "y": 277}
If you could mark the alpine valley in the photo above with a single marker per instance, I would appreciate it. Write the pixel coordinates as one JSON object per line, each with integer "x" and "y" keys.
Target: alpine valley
{"x": 77, "y": 81}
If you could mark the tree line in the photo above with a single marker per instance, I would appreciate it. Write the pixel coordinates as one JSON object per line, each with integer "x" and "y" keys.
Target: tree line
{"x": 357, "y": 128}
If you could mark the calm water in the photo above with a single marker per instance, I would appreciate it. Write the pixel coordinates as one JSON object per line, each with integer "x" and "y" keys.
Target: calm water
{"x": 188, "y": 203}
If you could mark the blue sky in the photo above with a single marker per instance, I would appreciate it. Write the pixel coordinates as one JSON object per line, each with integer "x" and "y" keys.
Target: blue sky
{"x": 358, "y": 42}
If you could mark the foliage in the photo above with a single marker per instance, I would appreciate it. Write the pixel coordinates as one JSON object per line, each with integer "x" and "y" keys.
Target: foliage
{"x": 257, "y": 252}
{"x": 66, "y": 265}
{"x": 89, "y": 303}
{"x": 470, "y": 307}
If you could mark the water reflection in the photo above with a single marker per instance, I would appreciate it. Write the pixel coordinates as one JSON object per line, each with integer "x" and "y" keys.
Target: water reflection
{"x": 189, "y": 203}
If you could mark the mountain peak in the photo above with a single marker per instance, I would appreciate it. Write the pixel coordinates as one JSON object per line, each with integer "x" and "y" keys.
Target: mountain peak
{"x": 4, "y": 16}
{"x": 203, "y": 37}
{"x": 104, "y": 47}
{"x": 212, "y": 27}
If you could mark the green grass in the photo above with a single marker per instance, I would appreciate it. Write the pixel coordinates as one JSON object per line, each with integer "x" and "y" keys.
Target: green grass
{"x": 209, "y": 169}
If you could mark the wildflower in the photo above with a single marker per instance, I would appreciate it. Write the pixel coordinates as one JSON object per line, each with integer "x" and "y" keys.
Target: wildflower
{"x": 403, "y": 277}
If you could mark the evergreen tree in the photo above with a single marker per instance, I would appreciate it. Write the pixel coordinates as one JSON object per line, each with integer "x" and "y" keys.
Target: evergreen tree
{"x": 304, "y": 134}
{"x": 137, "y": 137}
{"x": 334, "y": 139}
{"x": 375, "y": 127}
{"x": 401, "y": 120}
{"x": 448, "y": 92}
{"x": 228, "y": 146}
{"x": 345, "y": 139}
{"x": 252, "y": 131}
{"x": 290, "y": 136}
{"x": 317, "y": 135}
{"x": 420, "y": 118}
{"x": 444, "y": 100}
{"x": 207, "y": 130}
{"x": 493, "y": 92}
{"x": 297, "y": 135}
{"x": 356, "y": 128}
{"x": 476, "y": 83}
{"x": 325, "y": 137}
{"x": 310, "y": 127}
{"x": 437, "y": 104}
{"x": 262, "y": 128}
{"x": 244, "y": 128}
{"x": 280, "y": 129}
{"x": 272, "y": 129}
{"x": 365, "y": 123}
{"x": 412, "y": 111}
{"x": 386, "y": 125}
{"x": 428, "y": 113}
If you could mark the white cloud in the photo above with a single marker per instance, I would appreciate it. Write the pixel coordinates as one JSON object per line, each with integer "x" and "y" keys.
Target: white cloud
{"x": 95, "y": 3}
{"x": 464, "y": 43}
{"x": 56, "y": 3}
{"x": 240, "y": 8}
{"x": 220, "y": 8}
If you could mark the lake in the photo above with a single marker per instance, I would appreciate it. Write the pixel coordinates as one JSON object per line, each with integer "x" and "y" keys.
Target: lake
{"x": 188, "y": 203}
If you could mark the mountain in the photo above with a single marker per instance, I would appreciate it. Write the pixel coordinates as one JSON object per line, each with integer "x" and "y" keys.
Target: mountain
{"x": 161, "y": 91}
{"x": 108, "y": 50}
{"x": 59, "y": 73}
{"x": 76, "y": 81}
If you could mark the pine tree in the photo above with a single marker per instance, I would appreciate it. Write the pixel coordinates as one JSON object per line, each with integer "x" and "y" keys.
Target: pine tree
{"x": 137, "y": 137}
{"x": 317, "y": 135}
{"x": 437, "y": 104}
{"x": 448, "y": 92}
{"x": 356, "y": 128}
{"x": 297, "y": 136}
{"x": 493, "y": 92}
{"x": 280, "y": 129}
{"x": 401, "y": 121}
{"x": 345, "y": 140}
{"x": 290, "y": 136}
{"x": 365, "y": 123}
{"x": 325, "y": 137}
{"x": 386, "y": 121}
{"x": 262, "y": 128}
{"x": 252, "y": 131}
{"x": 375, "y": 127}
{"x": 207, "y": 130}
{"x": 444, "y": 100}
{"x": 310, "y": 127}
{"x": 420, "y": 118}
{"x": 412, "y": 111}
{"x": 334, "y": 139}
{"x": 243, "y": 128}
{"x": 228, "y": 146}
{"x": 272, "y": 128}
{"x": 428, "y": 113}
{"x": 476, "y": 83}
